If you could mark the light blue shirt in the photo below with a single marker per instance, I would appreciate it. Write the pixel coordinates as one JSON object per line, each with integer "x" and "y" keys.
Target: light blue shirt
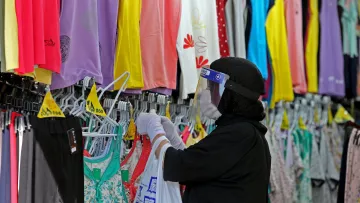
{"x": 256, "y": 52}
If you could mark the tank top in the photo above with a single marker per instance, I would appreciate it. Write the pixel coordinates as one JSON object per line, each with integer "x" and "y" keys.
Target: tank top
{"x": 331, "y": 80}
{"x": 107, "y": 16}
{"x": 128, "y": 51}
{"x": 257, "y": 39}
{"x": 312, "y": 46}
{"x": 277, "y": 44}
{"x": 79, "y": 39}
{"x": 294, "y": 25}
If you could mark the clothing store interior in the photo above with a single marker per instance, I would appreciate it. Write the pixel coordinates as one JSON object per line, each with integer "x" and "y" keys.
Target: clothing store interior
{"x": 170, "y": 101}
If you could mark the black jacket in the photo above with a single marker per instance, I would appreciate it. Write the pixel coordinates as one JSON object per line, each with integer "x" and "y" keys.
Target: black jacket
{"x": 230, "y": 165}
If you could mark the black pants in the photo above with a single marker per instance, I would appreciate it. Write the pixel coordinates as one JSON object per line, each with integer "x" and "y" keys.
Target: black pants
{"x": 49, "y": 170}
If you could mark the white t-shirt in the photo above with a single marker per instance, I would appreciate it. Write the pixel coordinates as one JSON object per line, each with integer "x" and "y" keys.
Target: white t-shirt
{"x": 197, "y": 41}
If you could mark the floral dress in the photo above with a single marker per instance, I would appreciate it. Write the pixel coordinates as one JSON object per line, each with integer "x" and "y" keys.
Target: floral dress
{"x": 103, "y": 178}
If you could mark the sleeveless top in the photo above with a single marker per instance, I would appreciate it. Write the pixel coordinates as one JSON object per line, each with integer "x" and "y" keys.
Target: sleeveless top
{"x": 79, "y": 38}
{"x": 312, "y": 47}
{"x": 103, "y": 180}
{"x": 331, "y": 80}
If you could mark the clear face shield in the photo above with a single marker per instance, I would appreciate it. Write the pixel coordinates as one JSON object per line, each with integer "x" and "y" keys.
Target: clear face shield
{"x": 208, "y": 94}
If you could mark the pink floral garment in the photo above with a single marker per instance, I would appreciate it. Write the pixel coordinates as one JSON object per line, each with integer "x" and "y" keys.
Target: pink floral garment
{"x": 352, "y": 187}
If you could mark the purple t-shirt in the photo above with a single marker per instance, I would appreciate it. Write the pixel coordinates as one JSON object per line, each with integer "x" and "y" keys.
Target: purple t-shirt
{"x": 331, "y": 81}
{"x": 87, "y": 36}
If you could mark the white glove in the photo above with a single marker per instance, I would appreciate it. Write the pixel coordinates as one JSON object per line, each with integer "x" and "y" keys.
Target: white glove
{"x": 172, "y": 134}
{"x": 149, "y": 124}
{"x": 207, "y": 108}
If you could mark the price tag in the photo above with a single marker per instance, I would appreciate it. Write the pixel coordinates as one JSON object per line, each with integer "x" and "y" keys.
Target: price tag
{"x": 285, "y": 122}
{"x": 302, "y": 125}
{"x": 49, "y": 108}
{"x": 342, "y": 116}
{"x": 167, "y": 112}
{"x": 330, "y": 116}
{"x": 92, "y": 103}
{"x": 130, "y": 134}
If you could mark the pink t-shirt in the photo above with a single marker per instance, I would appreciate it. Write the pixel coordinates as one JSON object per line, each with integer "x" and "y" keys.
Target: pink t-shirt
{"x": 159, "y": 25}
{"x": 24, "y": 14}
{"x": 38, "y": 25}
{"x": 295, "y": 44}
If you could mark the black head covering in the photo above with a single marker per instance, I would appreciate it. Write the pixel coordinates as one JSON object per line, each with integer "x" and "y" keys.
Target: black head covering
{"x": 248, "y": 78}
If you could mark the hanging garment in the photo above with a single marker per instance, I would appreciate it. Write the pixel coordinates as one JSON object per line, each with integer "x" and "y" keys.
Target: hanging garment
{"x": 58, "y": 172}
{"x": 24, "y": 16}
{"x": 303, "y": 141}
{"x": 79, "y": 40}
{"x": 277, "y": 43}
{"x": 257, "y": 39}
{"x": 312, "y": 46}
{"x": 223, "y": 41}
{"x": 350, "y": 76}
{"x": 13, "y": 159}
{"x": 283, "y": 190}
{"x": 331, "y": 79}
{"x": 39, "y": 31}
{"x": 352, "y": 169}
{"x": 53, "y": 40}
{"x": 2, "y": 37}
{"x": 344, "y": 162}
{"x": 11, "y": 37}
{"x": 27, "y": 167}
{"x": 103, "y": 181}
{"x": 293, "y": 11}
{"x": 159, "y": 27}
{"x": 131, "y": 186}
{"x": 349, "y": 21}
{"x": 197, "y": 41}
{"x": 5, "y": 189}
{"x": 128, "y": 50}
{"x": 1, "y": 146}
{"x": 235, "y": 27}
{"x": 107, "y": 12}
{"x": 324, "y": 193}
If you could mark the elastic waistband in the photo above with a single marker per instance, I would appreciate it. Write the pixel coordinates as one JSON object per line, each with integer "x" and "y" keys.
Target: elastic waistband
{"x": 56, "y": 125}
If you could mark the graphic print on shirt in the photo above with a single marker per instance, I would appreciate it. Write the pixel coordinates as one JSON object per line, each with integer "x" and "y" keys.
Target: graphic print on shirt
{"x": 152, "y": 185}
{"x": 197, "y": 22}
{"x": 201, "y": 44}
{"x": 188, "y": 42}
{"x": 201, "y": 61}
{"x": 65, "y": 47}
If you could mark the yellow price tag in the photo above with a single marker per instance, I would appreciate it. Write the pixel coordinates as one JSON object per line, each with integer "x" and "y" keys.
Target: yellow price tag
{"x": 167, "y": 112}
{"x": 92, "y": 103}
{"x": 302, "y": 125}
{"x": 285, "y": 122}
{"x": 342, "y": 115}
{"x": 316, "y": 116}
{"x": 130, "y": 134}
{"x": 49, "y": 108}
{"x": 330, "y": 116}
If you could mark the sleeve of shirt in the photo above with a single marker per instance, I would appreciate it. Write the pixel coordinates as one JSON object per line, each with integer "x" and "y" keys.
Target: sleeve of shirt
{"x": 211, "y": 157}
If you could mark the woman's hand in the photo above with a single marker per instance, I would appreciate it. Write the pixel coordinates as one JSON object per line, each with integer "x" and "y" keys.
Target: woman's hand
{"x": 149, "y": 124}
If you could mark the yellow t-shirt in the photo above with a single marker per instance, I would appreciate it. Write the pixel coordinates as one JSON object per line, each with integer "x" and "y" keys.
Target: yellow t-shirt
{"x": 40, "y": 75}
{"x": 277, "y": 43}
{"x": 11, "y": 36}
{"x": 312, "y": 46}
{"x": 128, "y": 50}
